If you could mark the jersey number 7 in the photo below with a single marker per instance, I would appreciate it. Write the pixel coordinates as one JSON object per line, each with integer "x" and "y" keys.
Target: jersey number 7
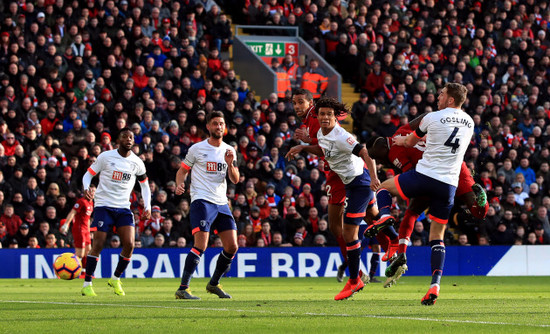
{"x": 453, "y": 144}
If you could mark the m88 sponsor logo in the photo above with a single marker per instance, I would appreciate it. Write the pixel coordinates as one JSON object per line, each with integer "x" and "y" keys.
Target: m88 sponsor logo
{"x": 121, "y": 176}
{"x": 215, "y": 166}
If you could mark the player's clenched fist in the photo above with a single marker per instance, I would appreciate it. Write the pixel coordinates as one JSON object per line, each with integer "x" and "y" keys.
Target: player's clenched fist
{"x": 229, "y": 157}
{"x": 303, "y": 135}
{"x": 180, "y": 189}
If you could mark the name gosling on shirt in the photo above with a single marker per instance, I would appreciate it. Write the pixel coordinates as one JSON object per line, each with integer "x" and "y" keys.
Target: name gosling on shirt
{"x": 456, "y": 120}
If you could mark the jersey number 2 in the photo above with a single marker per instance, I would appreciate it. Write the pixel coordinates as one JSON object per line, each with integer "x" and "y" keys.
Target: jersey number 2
{"x": 453, "y": 144}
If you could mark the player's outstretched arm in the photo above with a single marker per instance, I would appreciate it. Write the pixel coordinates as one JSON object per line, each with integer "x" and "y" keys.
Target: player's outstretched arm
{"x": 294, "y": 151}
{"x": 232, "y": 170}
{"x": 181, "y": 175}
{"x": 313, "y": 149}
{"x": 65, "y": 227}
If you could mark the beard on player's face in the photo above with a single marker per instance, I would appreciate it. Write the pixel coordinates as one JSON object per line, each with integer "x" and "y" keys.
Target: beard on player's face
{"x": 216, "y": 131}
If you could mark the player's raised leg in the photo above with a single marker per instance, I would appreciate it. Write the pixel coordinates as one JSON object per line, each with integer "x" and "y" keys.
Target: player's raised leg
{"x": 405, "y": 230}
{"x": 476, "y": 200}
{"x": 384, "y": 200}
{"x": 399, "y": 265}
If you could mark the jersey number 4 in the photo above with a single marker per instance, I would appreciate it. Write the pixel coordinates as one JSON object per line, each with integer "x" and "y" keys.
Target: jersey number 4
{"x": 453, "y": 144}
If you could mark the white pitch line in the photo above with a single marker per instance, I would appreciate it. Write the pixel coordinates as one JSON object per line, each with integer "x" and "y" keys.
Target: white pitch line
{"x": 428, "y": 319}
{"x": 289, "y": 313}
{"x": 129, "y": 305}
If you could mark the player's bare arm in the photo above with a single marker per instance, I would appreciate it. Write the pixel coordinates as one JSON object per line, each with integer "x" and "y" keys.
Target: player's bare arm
{"x": 294, "y": 151}
{"x": 371, "y": 165}
{"x": 232, "y": 170}
{"x": 313, "y": 149}
{"x": 181, "y": 176}
{"x": 65, "y": 227}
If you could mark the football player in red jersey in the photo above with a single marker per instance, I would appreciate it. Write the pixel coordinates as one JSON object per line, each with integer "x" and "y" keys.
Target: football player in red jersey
{"x": 80, "y": 214}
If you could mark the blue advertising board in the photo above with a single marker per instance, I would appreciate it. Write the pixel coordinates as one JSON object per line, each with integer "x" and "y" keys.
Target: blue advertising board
{"x": 286, "y": 262}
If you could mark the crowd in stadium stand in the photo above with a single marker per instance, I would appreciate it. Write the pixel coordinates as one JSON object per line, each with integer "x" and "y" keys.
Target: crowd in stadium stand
{"x": 73, "y": 73}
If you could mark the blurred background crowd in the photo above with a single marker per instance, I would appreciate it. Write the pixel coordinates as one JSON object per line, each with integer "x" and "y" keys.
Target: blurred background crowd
{"x": 73, "y": 73}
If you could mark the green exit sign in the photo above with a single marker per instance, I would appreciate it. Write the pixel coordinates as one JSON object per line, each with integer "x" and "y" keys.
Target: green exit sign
{"x": 267, "y": 49}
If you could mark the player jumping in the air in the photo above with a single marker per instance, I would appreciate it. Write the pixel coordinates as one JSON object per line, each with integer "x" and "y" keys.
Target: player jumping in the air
{"x": 405, "y": 158}
{"x": 302, "y": 101}
{"x": 448, "y": 131}
{"x": 347, "y": 158}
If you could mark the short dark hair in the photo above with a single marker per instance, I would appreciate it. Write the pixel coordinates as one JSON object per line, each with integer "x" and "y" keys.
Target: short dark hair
{"x": 370, "y": 143}
{"x": 339, "y": 108}
{"x": 458, "y": 92}
{"x": 301, "y": 91}
{"x": 125, "y": 129}
{"x": 213, "y": 114}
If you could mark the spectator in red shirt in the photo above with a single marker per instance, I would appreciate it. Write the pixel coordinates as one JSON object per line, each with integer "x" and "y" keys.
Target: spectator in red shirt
{"x": 10, "y": 220}
{"x": 10, "y": 143}
{"x": 49, "y": 122}
{"x": 139, "y": 77}
{"x": 156, "y": 220}
{"x": 375, "y": 80}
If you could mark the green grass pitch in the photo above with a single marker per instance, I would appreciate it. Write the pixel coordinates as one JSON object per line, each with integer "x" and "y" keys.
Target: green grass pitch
{"x": 278, "y": 305}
